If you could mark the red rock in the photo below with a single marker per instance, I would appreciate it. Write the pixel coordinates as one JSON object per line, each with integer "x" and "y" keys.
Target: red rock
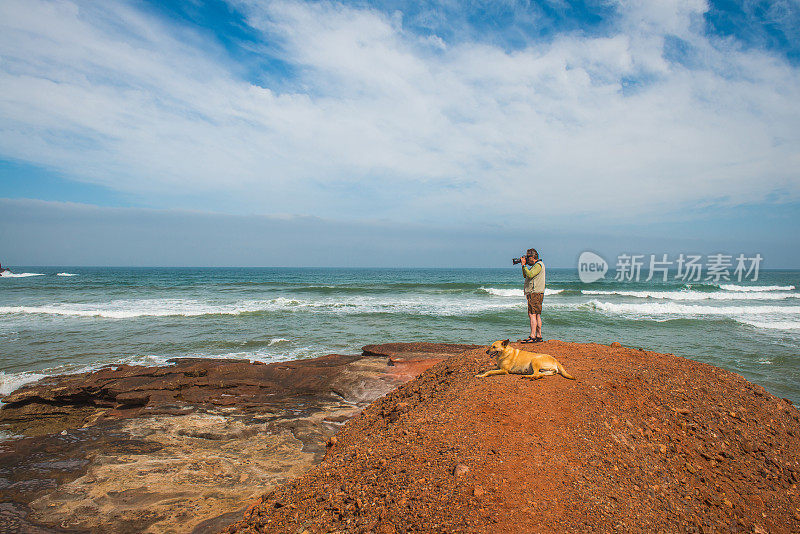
{"x": 133, "y": 398}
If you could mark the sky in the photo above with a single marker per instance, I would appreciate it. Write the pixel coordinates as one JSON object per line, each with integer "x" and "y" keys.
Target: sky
{"x": 396, "y": 133}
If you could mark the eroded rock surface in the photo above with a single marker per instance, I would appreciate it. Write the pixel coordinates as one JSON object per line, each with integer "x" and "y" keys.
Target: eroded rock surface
{"x": 182, "y": 448}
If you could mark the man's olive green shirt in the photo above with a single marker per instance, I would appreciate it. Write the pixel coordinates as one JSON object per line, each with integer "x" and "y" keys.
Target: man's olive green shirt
{"x": 534, "y": 277}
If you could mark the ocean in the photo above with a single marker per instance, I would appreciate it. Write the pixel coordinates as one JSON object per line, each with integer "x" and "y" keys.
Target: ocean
{"x": 57, "y": 320}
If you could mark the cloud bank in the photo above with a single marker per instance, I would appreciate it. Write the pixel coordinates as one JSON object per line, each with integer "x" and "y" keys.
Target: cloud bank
{"x": 35, "y": 232}
{"x": 373, "y": 118}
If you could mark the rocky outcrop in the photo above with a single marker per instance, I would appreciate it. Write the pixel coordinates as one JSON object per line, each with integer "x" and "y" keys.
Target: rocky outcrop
{"x": 640, "y": 442}
{"x": 130, "y": 391}
{"x": 181, "y": 448}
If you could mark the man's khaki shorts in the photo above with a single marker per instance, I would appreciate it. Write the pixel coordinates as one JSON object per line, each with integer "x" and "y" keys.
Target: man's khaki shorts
{"x": 535, "y": 303}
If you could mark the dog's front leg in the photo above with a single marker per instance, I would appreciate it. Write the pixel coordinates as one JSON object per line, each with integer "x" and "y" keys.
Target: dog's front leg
{"x": 492, "y": 372}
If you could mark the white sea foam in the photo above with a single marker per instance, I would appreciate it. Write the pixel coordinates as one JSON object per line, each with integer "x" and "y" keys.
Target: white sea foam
{"x": 269, "y": 356}
{"x": 732, "y": 287}
{"x": 129, "y": 309}
{"x": 767, "y": 317}
{"x": 9, "y": 436}
{"x": 696, "y": 295}
{"x": 276, "y": 340}
{"x": 674, "y": 309}
{"x": 7, "y": 274}
{"x": 66, "y": 274}
{"x": 12, "y": 381}
{"x": 502, "y": 292}
{"x": 514, "y": 292}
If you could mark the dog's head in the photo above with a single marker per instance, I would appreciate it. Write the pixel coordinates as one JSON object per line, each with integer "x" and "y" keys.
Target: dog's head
{"x": 497, "y": 347}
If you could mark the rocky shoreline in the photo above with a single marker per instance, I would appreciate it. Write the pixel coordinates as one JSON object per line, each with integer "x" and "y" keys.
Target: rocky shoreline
{"x": 640, "y": 442}
{"x": 182, "y": 448}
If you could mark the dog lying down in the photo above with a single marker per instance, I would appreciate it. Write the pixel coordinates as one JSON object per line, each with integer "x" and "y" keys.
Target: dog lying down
{"x": 519, "y": 362}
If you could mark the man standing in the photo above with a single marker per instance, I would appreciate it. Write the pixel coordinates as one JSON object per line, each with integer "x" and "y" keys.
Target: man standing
{"x": 533, "y": 271}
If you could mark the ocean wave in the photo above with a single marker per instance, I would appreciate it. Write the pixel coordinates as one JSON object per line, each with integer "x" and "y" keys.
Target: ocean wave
{"x": 768, "y": 317}
{"x": 699, "y": 286}
{"x": 696, "y": 295}
{"x": 264, "y": 355}
{"x": 19, "y": 275}
{"x": 383, "y": 286}
{"x": 673, "y": 309}
{"x": 276, "y": 340}
{"x": 125, "y": 309}
{"x": 130, "y": 309}
{"x": 12, "y": 381}
{"x": 499, "y": 292}
{"x": 66, "y": 274}
{"x": 772, "y": 325}
{"x": 732, "y": 287}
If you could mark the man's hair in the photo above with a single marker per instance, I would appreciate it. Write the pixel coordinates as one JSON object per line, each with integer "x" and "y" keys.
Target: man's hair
{"x": 532, "y": 253}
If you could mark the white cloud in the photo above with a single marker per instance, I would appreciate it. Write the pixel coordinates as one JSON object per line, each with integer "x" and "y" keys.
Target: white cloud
{"x": 384, "y": 122}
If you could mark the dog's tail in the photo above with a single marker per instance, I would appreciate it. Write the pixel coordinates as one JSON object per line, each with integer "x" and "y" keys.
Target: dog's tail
{"x": 563, "y": 372}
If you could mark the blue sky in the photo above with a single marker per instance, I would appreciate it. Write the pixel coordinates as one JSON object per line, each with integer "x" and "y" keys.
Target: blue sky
{"x": 660, "y": 126}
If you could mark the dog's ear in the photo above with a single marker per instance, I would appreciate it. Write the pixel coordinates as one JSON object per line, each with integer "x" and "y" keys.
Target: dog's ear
{"x": 506, "y": 342}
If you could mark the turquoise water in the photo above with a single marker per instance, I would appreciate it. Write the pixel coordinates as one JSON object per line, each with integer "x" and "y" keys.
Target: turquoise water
{"x": 53, "y": 323}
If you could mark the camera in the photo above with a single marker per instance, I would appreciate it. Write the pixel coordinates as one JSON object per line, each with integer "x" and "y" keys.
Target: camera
{"x": 531, "y": 256}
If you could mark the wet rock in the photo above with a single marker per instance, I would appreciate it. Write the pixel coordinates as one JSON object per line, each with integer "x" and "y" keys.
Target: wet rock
{"x": 179, "y": 448}
{"x": 408, "y": 350}
{"x": 133, "y": 398}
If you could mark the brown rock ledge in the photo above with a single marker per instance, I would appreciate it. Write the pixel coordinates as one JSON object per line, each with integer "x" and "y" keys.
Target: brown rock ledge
{"x": 640, "y": 442}
{"x": 181, "y": 448}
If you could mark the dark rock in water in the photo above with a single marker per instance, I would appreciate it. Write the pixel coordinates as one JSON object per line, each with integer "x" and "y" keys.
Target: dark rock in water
{"x": 182, "y": 448}
{"x": 132, "y": 391}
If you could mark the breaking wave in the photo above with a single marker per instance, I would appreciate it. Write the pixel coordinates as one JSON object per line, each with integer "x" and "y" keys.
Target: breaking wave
{"x": 732, "y": 287}
{"x": 669, "y": 308}
{"x": 13, "y": 381}
{"x": 772, "y": 325}
{"x": 130, "y": 309}
{"x": 769, "y": 317}
{"x": 697, "y": 295}
{"x": 514, "y": 292}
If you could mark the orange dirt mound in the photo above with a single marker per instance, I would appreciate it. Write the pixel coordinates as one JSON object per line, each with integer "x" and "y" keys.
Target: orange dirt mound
{"x": 640, "y": 442}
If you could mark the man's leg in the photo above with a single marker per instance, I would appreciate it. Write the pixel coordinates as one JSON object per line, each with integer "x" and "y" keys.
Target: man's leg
{"x": 538, "y": 319}
{"x": 532, "y": 317}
